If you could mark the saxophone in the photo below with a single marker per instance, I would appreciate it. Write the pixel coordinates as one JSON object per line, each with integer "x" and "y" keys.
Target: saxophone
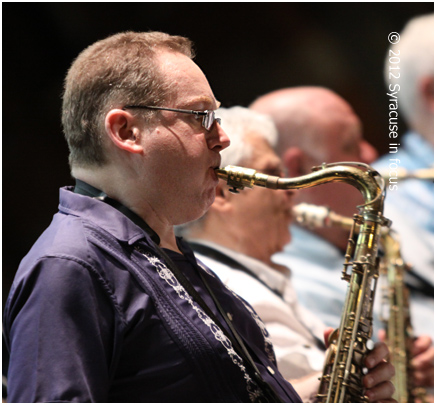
{"x": 317, "y": 216}
{"x": 399, "y": 331}
{"x": 403, "y": 174}
{"x": 341, "y": 380}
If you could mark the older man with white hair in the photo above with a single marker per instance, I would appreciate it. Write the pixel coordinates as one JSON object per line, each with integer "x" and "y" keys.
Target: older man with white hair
{"x": 237, "y": 237}
{"x": 410, "y": 203}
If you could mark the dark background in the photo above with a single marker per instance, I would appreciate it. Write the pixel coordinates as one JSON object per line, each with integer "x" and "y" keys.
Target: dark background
{"x": 245, "y": 50}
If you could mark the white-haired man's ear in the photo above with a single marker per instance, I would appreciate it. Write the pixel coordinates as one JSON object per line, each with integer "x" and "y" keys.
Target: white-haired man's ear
{"x": 427, "y": 92}
{"x": 122, "y": 130}
{"x": 294, "y": 162}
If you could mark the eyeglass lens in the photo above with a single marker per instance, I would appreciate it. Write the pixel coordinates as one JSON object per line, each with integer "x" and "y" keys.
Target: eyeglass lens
{"x": 209, "y": 119}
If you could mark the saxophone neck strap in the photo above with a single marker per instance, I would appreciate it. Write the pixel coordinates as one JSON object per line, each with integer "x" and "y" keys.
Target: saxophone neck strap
{"x": 86, "y": 189}
{"x": 269, "y": 393}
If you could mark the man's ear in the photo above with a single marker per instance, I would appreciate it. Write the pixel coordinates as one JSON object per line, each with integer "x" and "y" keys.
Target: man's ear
{"x": 427, "y": 92}
{"x": 293, "y": 161}
{"x": 121, "y": 128}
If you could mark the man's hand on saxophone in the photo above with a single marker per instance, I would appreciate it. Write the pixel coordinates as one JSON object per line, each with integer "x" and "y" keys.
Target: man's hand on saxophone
{"x": 378, "y": 380}
{"x": 423, "y": 361}
{"x": 422, "y": 366}
{"x": 380, "y": 372}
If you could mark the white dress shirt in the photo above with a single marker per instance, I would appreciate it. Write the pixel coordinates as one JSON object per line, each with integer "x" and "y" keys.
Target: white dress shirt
{"x": 293, "y": 330}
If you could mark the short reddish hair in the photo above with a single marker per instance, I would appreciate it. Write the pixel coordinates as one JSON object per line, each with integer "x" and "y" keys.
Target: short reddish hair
{"x": 115, "y": 71}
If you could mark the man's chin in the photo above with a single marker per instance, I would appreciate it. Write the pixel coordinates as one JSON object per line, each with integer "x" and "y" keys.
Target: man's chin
{"x": 199, "y": 211}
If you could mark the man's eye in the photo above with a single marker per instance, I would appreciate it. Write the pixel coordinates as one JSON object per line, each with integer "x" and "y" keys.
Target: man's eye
{"x": 351, "y": 147}
{"x": 273, "y": 172}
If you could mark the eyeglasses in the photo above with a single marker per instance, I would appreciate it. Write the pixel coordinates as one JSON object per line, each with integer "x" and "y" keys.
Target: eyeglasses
{"x": 208, "y": 115}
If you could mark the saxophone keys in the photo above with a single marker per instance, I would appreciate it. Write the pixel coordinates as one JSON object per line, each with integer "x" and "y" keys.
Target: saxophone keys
{"x": 370, "y": 344}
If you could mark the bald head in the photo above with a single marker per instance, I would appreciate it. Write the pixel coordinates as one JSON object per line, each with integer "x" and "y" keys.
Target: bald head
{"x": 313, "y": 119}
{"x": 316, "y": 125}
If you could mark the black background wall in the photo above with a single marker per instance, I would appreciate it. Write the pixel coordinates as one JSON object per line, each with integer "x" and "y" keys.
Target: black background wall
{"x": 245, "y": 49}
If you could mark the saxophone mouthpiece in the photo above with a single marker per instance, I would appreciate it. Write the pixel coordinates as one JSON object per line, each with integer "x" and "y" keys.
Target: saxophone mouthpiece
{"x": 221, "y": 173}
{"x": 240, "y": 177}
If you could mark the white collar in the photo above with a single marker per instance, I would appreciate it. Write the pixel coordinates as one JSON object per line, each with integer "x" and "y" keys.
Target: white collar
{"x": 273, "y": 278}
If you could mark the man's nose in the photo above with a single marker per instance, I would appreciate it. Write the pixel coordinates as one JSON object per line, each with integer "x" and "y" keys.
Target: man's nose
{"x": 368, "y": 154}
{"x": 290, "y": 194}
{"x": 217, "y": 139}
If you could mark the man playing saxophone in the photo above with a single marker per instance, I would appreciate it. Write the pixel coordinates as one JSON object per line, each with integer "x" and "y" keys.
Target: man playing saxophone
{"x": 109, "y": 306}
{"x": 411, "y": 202}
{"x": 316, "y": 125}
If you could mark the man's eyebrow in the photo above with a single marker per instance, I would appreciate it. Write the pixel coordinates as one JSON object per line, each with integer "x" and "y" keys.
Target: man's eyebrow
{"x": 204, "y": 100}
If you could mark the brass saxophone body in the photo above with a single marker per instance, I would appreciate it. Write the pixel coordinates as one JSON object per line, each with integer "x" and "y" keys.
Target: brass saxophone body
{"x": 341, "y": 380}
{"x": 396, "y": 316}
{"x": 399, "y": 331}
{"x": 316, "y": 216}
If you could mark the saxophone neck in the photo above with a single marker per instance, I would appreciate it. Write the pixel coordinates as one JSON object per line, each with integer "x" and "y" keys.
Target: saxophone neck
{"x": 366, "y": 180}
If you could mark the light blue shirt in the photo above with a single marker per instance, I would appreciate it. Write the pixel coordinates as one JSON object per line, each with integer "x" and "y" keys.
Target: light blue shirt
{"x": 410, "y": 207}
{"x": 316, "y": 266}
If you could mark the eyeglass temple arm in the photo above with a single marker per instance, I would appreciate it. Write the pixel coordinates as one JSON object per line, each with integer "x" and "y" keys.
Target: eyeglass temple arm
{"x": 166, "y": 109}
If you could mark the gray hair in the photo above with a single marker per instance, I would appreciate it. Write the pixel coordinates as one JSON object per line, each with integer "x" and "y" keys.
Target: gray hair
{"x": 238, "y": 122}
{"x": 415, "y": 55}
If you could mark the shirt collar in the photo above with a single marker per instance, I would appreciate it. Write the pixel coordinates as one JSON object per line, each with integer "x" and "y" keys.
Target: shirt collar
{"x": 90, "y": 191}
{"x": 102, "y": 214}
{"x": 273, "y": 278}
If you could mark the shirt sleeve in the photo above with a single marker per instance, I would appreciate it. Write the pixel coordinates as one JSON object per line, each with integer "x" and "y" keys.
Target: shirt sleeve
{"x": 60, "y": 325}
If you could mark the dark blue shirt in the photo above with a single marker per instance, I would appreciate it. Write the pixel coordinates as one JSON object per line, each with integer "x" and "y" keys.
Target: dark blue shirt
{"x": 95, "y": 314}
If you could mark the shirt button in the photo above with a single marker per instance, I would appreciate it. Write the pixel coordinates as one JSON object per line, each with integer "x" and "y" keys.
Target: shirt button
{"x": 230, "y": 316}
{"x": 306, "y": 346}
{"x": 271, "y": 371}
